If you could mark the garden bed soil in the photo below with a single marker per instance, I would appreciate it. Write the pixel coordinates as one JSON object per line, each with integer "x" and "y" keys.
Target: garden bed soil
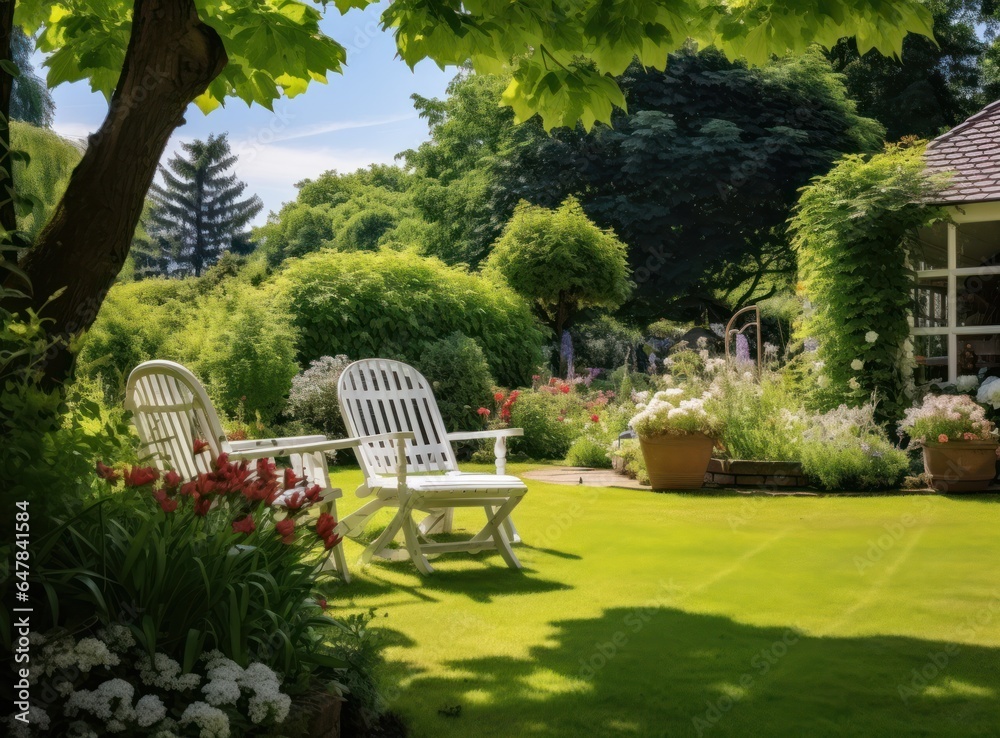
{"x": 767, "y": 474}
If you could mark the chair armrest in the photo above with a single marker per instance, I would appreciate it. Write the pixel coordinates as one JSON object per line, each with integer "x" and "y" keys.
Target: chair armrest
{"x": 278, "y": 447}
{"x": 260, "y": 442}
{"x": 473, "y": 435}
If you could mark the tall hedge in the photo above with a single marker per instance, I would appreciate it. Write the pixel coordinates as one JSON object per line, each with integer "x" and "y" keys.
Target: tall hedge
{"x": 852, "y": 233}
{"x": 395, "y": 304}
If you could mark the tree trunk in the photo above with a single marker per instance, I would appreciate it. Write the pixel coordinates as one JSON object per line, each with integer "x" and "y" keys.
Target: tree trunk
{"x": 171, "y": 58}
{"x": 560, "y": 323}
{"x": 8, "y": 216}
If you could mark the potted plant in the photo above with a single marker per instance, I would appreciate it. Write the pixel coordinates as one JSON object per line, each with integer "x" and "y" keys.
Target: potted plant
{"x": 676, "y": 435}
{"x": 959, "y": 443}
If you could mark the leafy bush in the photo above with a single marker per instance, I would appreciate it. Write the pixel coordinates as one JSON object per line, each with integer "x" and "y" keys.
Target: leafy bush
{"x": 605, "y": 343}
{"x": 850, "y": 224}
{"x": 52, "y": 160}
{"x": 846, "y": 449}
{"x": 755, "y": 415}
{"x": 458, "y": 372}
{"x": 397, "y": 303}
{"x": 242, "y": 348}
{"x": 633, "y": 463}
{"x": 313, "y": 398}
{"x": 363, "y": 231}
{"x": 547, "y": 434}
{"x": 586, "y": 451}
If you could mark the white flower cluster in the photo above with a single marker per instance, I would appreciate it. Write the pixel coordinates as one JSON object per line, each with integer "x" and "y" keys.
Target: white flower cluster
{"x": 117, "y": 637}
{"x": 967, "y": 383}
{"x": 111, "y": 702}
{"x": 165, "y": 673}
{"x": 210, "y": 721}
{"x": 989, "y": 392}
{"x": 65, "y": 654}
{"x": 227, "y": 681}
{"x": 668, "y": 414}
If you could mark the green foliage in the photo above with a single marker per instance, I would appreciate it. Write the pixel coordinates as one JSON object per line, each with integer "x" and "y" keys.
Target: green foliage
{"x": 562, "y": 56}
{"x": 30, "y": 100}
{"x": 364, "y": 230}
{"x": 605, "y": 343}
{"x": 561, "y": 261}
{"x": 852, "y": 231}
{"x": 242, "y": 347}
{"x": 395, "y": 304}
{"x": 699, "y": 177}
{"x": 845, "y": 449}
{"x": 757, "y": 416}
{"x": 196, "y": 212}
{"x": 460, "y": 376}
{"x": 229, "y": 334}
{"x": 547, "y": 435}
{"x": 633, "y": 462}
{"x": 586, "y": 451}
{"x": 360, "y": 211}
{"x": 45, "y": 176}
{"x": 936, "y": 83}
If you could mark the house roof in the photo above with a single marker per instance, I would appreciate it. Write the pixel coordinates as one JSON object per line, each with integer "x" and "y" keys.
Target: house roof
{"x": 971, "y": 153}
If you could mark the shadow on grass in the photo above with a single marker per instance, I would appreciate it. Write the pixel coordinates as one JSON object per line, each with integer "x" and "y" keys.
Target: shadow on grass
{"x": 665, "y": 672}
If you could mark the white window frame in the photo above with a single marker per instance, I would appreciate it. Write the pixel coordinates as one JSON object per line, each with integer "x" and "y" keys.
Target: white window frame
{"x": 972, "y": 213}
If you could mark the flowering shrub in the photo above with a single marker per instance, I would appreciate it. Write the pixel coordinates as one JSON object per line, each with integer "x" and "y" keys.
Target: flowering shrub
{"x": 226, "y": 561}
{"x": 944, "y": 418}
{"x": 119, "y": 689}
{"x": 668, "y": 412}
{"x": 313, "y": 397}
{"x": 846, "y": 449}
{"x": 760, "y": 419}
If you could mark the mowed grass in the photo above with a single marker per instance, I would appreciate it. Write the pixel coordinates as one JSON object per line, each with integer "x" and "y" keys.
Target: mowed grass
{"x": 709, "y": 614}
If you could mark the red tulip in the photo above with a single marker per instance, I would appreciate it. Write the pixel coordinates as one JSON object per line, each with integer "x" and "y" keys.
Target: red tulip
{"x": 595, "y": 418}
{"x": 171, "y": 479}
{"x": 139, "y": 476}
{"x": 286, "y": 529}
{"x": 246, "y": 525}
{"x": 324, "y": 529}
{"x": 291, "y": 480}
{"x": 199, "y": 445}
{"x": 313, "y": 493}
{"x": 202, "y": 505}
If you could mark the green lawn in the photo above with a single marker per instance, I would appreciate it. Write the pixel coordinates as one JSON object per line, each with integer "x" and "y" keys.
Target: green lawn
{"x": 641, "y": 614}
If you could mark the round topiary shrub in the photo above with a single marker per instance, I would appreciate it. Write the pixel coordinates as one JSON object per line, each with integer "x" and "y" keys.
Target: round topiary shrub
{"x": 395, "y": 304}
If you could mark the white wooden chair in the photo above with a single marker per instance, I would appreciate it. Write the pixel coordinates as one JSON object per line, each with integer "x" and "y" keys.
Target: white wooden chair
{"x": 409, "y": 463}
{"x": 170, "y": 409}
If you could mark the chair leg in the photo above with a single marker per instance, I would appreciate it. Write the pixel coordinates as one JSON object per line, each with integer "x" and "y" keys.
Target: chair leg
{"x": 495, "y": 523}
{"x": 336, "y": 557}
{"x": 413, "y": 545}
{"x": 511, "y": 530}
{"x": 386, "y": 537}
{"x": 356, "y": 520}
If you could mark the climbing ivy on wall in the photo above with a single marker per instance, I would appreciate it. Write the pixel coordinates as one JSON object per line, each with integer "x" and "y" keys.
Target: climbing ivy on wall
{"x": 853, "y": 232}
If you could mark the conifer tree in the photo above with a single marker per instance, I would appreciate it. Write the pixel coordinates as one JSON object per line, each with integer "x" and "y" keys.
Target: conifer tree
{"x": 197, "y": 210}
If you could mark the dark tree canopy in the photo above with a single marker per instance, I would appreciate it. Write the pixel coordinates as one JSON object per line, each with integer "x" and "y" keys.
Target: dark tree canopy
{"x": 699, "y": 177}
{"x": 932, "y": 86}
{"x": 197, "y": 212}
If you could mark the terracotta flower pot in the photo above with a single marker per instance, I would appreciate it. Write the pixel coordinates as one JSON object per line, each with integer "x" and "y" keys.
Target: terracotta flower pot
{"x": 961, "y": 466}
{"x": 677, "y": 462}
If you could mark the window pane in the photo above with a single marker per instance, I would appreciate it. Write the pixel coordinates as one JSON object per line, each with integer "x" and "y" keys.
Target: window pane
{"x": 978, "y": 244}
{"x": 978, "y": 300}
{"x": 932, "y": 247}
{"x": 930, "y": 303}
{"x": 931, "y": 355}
{"x": 978, "y": 353}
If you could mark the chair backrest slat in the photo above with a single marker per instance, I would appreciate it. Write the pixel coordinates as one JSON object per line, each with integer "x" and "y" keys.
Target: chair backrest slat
{"x": 385, "y": 396}
{"x": 170, "y": 409}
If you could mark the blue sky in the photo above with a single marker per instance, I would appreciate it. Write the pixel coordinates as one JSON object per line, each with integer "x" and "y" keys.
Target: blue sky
{"x": 364, "y": 115}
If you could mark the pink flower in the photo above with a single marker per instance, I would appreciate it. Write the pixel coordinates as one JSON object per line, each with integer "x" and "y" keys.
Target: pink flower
{"x": 969, "y": 436}
{"x": 943, "y": 438}
{"x": 484, "y": 412}
{"x": 498, "y": 396}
